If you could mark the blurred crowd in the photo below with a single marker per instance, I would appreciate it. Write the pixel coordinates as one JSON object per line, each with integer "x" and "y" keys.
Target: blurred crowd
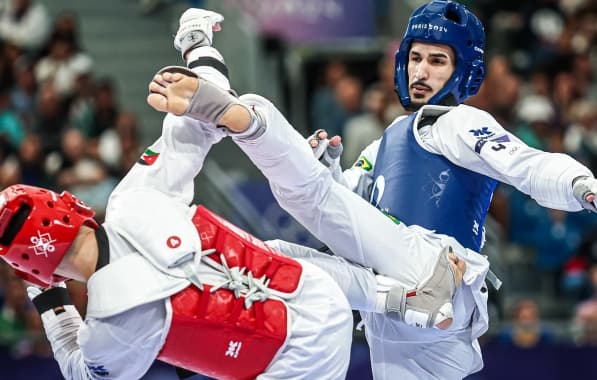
{"x": 62, "y": 127}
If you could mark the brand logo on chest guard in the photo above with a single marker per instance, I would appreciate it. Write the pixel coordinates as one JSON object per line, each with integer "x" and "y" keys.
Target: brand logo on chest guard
{"x": 233, "y": 349}
{"x": 173, "y": 242}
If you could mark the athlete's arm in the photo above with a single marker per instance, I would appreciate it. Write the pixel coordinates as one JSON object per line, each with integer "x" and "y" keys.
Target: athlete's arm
{"x": 474, "y": 140}
{"x": 121, "y": 347}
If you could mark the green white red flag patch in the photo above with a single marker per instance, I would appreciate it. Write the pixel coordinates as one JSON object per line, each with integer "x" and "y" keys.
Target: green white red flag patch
{"x": 148, "y": 157}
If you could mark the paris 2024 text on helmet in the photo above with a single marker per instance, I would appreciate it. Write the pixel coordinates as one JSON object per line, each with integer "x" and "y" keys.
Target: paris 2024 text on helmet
{"x": 448, "y": 23}
{"x": 37, "y": 228}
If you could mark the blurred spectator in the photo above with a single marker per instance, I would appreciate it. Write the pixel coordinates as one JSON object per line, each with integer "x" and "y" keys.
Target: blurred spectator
{"x": 325, "y": 109}
{"x": 347, "y": 92}
{"x": 66, "y": 27}
{"x": 5, "y": 273}
{"x": 24, "y": 91}
{"x": 105, "y": 108}
{"x": 79, "y": 173}
{"x": 554, "y": 235}
{"x": 36, "y": 343}
{"x": 582, "y": 70}
{"x": 32, "y": 159}
{"x": 385, "y": 71}
{"x": 499, "y": 92}
{"x": 62, "y": 65}
{"x": 537, "y": 115}
{"x": 81, "y": 103}
{"x": 51, "y": 117}
{"x": 580, "y": 139}
{"x": 75, "y": 168}
{"x": 526, "y": 330}
{"x": 11, "y": 128}
{"x": 565, "y": 90}
{"x": 361, "y": 130}
{"x": 119, "y": 147}
{"x": 24, "y": 23}
{"x": 539, "y": 83}
{"x": 585, "y": 318}
{"x": 10, "y": 171}
{"x": 14, "y": 313}
{"x": 576, "y": 280}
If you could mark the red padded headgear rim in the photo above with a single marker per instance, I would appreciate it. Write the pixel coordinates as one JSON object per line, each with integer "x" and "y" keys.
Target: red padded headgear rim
{"x": 37, "y": 228}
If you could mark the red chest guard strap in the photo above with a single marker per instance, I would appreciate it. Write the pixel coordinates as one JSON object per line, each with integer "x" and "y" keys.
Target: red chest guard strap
{"x": 213, "y": 333}
{"x": 243, "y": 250}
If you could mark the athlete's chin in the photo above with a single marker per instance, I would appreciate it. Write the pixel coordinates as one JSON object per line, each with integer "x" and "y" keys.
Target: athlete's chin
{"x": 420, "y": 98}
{"x": 415, "y": 105}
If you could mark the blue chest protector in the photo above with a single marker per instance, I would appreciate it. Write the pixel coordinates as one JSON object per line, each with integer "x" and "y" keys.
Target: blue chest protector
{"x": 419, "y": 187}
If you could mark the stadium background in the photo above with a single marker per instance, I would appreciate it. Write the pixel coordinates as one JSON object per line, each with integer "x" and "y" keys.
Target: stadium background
{"x": 73, "y": 115}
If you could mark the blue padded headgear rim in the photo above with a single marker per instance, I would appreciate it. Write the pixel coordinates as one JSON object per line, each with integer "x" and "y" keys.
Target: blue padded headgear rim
{"x": 447, "y": 23}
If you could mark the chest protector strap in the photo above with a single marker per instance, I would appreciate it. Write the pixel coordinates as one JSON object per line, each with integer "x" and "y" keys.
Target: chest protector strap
{"x": 214, "y": 331}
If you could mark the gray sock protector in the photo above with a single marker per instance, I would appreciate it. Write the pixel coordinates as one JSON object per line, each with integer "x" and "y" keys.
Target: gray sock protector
{"x": 210, "y": 102}
{"x": 428, "y": 297}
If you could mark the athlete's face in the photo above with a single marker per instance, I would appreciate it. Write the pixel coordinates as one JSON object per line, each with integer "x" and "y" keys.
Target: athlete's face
{"x": 430, "y": 66}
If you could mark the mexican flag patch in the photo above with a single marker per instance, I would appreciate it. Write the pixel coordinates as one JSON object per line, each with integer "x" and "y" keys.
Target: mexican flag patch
{"x": 148, "y": 157}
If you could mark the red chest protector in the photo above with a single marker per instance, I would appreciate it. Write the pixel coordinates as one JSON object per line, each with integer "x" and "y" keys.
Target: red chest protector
{"x": 213, "y": 333}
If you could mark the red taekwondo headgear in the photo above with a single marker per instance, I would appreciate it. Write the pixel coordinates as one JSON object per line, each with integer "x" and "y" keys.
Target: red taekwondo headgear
{"x": 37, "y": 228}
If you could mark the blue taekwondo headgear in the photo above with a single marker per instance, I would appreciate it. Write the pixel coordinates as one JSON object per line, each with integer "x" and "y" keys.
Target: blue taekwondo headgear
{"x": 452, "y": 24}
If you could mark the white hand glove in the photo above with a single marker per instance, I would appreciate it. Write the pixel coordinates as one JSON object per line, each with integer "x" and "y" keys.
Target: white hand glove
{"x": 196, "y": 27}
{"x": 34, "y": 291}
{"x": 584, "y": 190}
{"x": 326, "y": 153}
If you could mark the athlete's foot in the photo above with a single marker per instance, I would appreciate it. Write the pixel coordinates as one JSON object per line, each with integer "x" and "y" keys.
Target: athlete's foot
{"x": 172, "y": 92}
{"x": 443, "y": 319}
{"x": 430, "y": 303}
{"x": 459, "y": 267}
{"x": 178, "y": 91}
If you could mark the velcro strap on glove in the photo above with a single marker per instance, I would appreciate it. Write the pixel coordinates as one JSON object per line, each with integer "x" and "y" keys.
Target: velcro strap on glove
{"x": 396, "y": 302}
{"x": 196, "y": 27}
{"x": 52, "y": 298}
{"x": 581, "y": 188}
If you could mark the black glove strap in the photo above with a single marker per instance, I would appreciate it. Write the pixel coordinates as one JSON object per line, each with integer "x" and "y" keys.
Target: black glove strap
{"x": 52, "y": 298}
